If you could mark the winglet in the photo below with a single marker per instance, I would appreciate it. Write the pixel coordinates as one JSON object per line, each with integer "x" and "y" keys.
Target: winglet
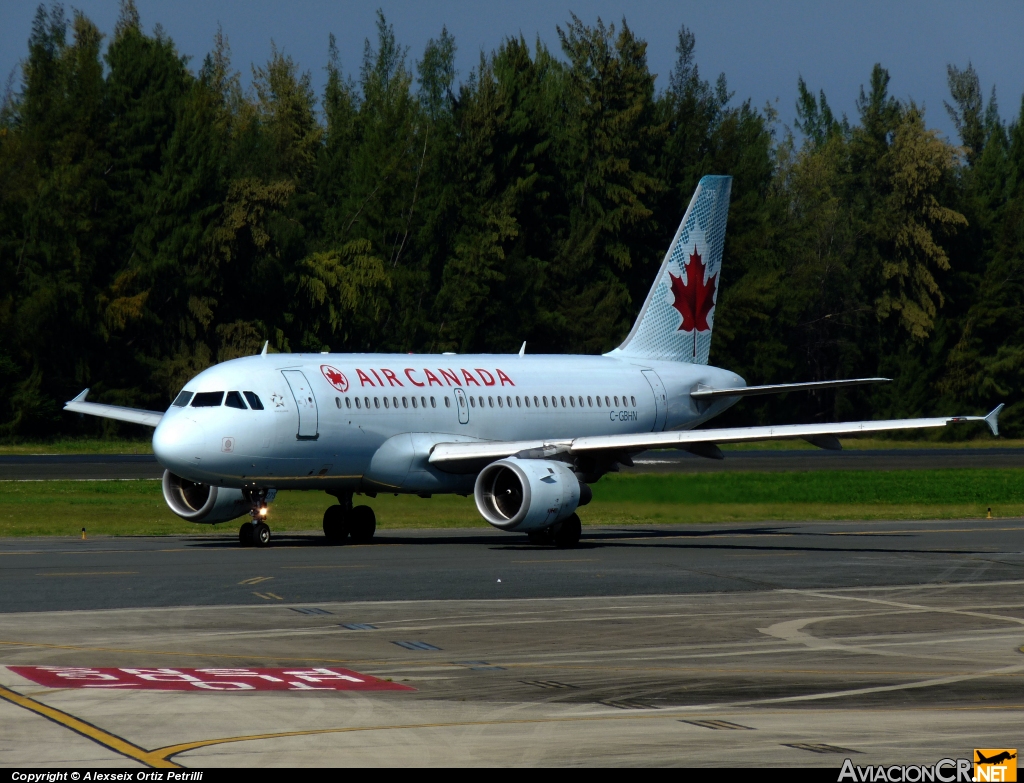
{"x": 264, "y": 351}
{"x": 522, "y": 349}
{"x": 80, "y": 397}
{"x": 992, "y": 420}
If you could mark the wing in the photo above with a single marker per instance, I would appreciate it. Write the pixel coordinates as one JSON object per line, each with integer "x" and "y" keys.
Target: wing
{"x": 134, "y": 415}
{"x": 707, "y": 393}
{"x": 451, "y": 454}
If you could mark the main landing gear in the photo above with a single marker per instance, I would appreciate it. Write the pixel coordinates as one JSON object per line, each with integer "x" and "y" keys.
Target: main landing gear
{"x": 256, "y": 532}
{"x": 565, "y": 534}
{"x": 344, "y": 521}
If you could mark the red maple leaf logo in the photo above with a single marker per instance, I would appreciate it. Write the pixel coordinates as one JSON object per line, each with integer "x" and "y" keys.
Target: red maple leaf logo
{"x": 335, "y": 377}
{"x": 695, "y": 298}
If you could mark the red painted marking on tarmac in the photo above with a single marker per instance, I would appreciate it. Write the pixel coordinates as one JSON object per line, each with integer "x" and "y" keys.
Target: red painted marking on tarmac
{"x": 315, "y": 679}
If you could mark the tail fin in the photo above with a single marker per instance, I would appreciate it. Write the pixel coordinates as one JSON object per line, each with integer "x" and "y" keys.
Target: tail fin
{"x": 676, "y": 320}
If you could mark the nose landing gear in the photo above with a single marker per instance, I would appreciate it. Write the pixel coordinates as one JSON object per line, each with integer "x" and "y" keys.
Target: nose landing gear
{"x": 256, "y": 532}
{"x": 344, "y": 521}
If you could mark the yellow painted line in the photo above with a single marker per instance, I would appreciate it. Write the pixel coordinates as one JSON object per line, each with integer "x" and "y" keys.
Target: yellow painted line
{"x": 96, "y": 734}
{"x": 268, "y": 596}
{"x": 591, "y": 560}
{"x": 275, "y": 595}
{"x": 89, "y": 573}
{"x": 767, "y": 554}
{"x": 319, "y": 567}
{"x": 255, "y": 580}
{"x": 927, "y": 530}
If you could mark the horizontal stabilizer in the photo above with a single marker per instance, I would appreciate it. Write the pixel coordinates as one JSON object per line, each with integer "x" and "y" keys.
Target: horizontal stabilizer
{"x": 133, "y": 415}
{"x": 707, "y": 393}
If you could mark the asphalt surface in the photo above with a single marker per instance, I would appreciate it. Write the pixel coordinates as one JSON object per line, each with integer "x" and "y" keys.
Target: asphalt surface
{"x": 43, "y": 467}
{"x": 57, "y": 574}
{"x": 743, "y": 645}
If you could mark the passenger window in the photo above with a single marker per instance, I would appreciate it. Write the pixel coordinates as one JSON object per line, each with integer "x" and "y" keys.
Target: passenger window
{"x": 207, "y": 399}
{"x": 616, "y": 401}
{"x": 490, "y": 402}
{"x": 386, "y": 402}
{"x": 376, "y": 402}
{"x": 447, "y": 402}
{"x": 414, "y": 402}
{"x": 527, "y": 401}
{"x": 472, "y": 401}
{"x": 501, "y": 403}
{"x": 545, "y": 401}
{"x": 405, "y": 402}
{"x": 433, "y": 403}
{"x": 563, "y": 401}
{"x": 518, "y": 403}
{"x": 348, "y": 402}
{"x": 508, "y": 401}
{"x": 598, "y": 401}
{"x": 572, "y": 401}
{"x": 590, "y": 401}
{"x": 606, "y": 402}
{"x": 581, "y": 400}
{"x": 337, "y": 401}
{"x": 182, "y": 399}
{"x": 632, "y": 399}
{"x": 536, "y": 402}
{"x": 366, "y": 403}
{"x": 357, "y": 403}
{"x": 395, "y": 401}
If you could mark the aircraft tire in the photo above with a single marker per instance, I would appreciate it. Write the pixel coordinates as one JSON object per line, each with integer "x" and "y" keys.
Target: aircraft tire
{"x": 261, "y": 534}
{"x": 335, "y": 525}
{"x": 567, "y": 535}
{"x": 540, "y": 537}
{"x": 362, "y": 524}
{"x": 245, "y": 534}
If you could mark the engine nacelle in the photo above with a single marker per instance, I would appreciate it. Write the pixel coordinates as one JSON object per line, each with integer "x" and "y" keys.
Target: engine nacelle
{"x": 528, "y": 494}
{"x": 202, "y": 502}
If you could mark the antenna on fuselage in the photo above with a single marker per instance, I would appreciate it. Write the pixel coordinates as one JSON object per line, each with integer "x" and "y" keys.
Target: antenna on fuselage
{"x": 264, "y": 351}
{"x": 522, "y": 350}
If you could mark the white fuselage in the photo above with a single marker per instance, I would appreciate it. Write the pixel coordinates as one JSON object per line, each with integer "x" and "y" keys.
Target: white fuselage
{"x": 367, "y": 422}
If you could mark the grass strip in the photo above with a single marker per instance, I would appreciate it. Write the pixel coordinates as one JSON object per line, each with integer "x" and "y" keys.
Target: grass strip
{"x": 137, "y": 507}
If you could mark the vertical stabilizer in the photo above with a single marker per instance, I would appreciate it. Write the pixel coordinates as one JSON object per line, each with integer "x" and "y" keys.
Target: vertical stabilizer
{"x": 676, "y": 320}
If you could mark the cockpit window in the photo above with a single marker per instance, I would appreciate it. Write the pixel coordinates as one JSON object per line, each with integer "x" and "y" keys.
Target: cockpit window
{"x": 254, "y": 401}
{"x": 207, "y": 399}
{"x": 234, "y": 400}
{"x": 182, "y": 399}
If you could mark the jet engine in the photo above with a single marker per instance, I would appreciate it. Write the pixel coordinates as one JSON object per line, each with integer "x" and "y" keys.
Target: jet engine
{"x": 201, "y": 502}
{"x": 528, "y": 494}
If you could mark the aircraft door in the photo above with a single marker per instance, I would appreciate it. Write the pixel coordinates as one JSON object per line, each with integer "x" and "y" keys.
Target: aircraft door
{"x": 305, "y": 402}
{"x": 660, "y": 401}
{"x": 462, "y": 405}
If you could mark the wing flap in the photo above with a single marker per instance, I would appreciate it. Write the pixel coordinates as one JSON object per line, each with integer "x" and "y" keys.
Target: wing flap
{"x": 133, "y": 415}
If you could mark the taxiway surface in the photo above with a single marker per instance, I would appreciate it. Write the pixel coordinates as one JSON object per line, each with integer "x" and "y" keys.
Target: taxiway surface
{"x": 769, "y": 644}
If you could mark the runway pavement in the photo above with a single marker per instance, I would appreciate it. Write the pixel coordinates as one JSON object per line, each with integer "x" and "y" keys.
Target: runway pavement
{"x": 42, "y": 467}
{"x": 772, "y": 644}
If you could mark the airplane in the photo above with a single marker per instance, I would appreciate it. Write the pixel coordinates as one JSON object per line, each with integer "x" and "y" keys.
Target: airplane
{"x": 996, "y": 759}
{"x": 526, "y": 435}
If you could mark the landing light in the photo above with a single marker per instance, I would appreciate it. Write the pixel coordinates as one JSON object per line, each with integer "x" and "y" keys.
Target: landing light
{"x": 263, "y": 511}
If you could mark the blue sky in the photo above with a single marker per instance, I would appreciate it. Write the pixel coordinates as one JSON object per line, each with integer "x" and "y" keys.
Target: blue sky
{"x": 761, "y": 46}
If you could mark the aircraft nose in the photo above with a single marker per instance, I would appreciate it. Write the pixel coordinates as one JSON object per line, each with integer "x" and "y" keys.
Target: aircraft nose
{"x": 177, "y": 441}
